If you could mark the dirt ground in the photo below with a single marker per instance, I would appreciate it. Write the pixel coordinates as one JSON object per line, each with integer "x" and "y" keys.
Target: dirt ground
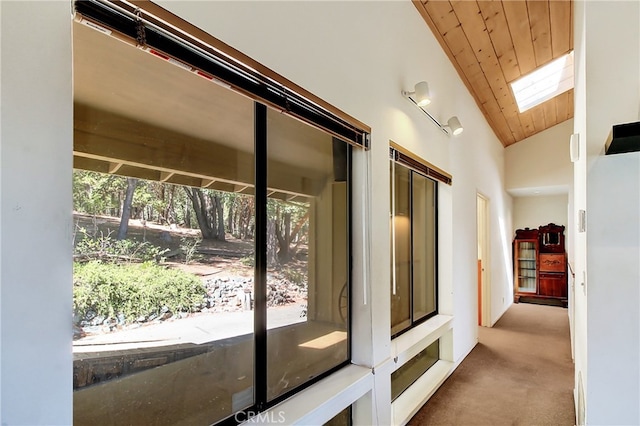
{"x": 224, "y": 260}
{"x": 213, "y": 259}
{"x": 212, "y": 256}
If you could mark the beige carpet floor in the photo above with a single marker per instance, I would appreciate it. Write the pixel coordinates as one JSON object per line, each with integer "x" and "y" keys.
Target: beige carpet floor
{"x": 520, "y": 373}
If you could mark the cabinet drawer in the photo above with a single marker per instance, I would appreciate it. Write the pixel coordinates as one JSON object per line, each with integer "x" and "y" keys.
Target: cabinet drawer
{"x": 552, "y": 262}
{"x": 554, "y": 285}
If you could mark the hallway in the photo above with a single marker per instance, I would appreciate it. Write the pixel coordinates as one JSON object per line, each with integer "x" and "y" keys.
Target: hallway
{"x": 520, "y": 373}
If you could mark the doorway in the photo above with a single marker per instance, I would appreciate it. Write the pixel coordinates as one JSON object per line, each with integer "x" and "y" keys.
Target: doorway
{"x": 484, "y": 284}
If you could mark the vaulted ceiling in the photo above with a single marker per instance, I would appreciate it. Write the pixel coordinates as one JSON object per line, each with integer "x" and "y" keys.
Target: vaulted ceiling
{"x": 493, "y": 43}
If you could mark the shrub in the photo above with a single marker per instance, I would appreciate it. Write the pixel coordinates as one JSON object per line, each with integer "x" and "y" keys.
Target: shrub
{"x": 189, "y": 247}
{"x": 132, "y": 290}
{"x": 248, "y": 261}
{"x": 106, "y": 248}
{"x": 295, "y": 276}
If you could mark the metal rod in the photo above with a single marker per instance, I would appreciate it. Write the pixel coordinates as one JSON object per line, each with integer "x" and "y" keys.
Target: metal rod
{"x": 436, "y": 122}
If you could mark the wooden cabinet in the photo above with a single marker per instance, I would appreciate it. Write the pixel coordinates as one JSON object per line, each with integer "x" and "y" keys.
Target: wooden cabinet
{"x": 553, "y": 285}
{"x": 540, "y": 265}
{"x": 552, "y": 262}
{"x": 525, "y": 260}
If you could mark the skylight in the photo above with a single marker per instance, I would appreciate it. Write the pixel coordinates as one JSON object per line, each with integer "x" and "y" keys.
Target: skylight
{"x": 544, "y": 83}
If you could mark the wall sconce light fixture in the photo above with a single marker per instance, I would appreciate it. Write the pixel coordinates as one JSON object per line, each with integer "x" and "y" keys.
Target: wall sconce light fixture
{"x": 420, "y": 94}
{"x": 454, "y": 126}
{"x": 420, "y": 97}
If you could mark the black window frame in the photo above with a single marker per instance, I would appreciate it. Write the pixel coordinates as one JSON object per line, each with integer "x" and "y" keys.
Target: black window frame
{"x": 262, "y": 403}
{"x": 436, "y": 177}
{"x": 137, "y": 26}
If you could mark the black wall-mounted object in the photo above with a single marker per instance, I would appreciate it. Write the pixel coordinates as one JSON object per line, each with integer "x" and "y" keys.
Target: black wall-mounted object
{"x": 623, "y": 138}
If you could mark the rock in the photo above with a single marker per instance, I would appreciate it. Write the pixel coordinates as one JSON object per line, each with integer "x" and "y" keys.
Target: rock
{"x": 97, "y": 320}
{"x": 92, "y": 329}
{"x": 78, "y": 333}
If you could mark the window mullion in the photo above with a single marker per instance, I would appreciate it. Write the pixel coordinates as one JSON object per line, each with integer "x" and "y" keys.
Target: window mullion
{"x": 393, "y": 224}
{"x": 260, "y": 270}
{"x": 411, "y": 254}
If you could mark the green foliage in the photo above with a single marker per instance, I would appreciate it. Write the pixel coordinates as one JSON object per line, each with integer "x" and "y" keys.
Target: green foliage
{"x": 105, "y": 247}
{"x": 189, "y": 247}
{"x": 295, "y": 276}
{"x": 97, "y": 193}
{"x": 102, "y": 194}
{"x": 135, "y": 290}
{"x": 248, "y": 261}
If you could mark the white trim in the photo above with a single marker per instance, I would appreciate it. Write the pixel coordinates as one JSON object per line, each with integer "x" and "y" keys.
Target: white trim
{"x": 411, "y": 343}
{"x": 407, "y": 346}
{"x": 320, "y": 402}
{"x": 486, "y": 258}
{"x": 414, "y": 397}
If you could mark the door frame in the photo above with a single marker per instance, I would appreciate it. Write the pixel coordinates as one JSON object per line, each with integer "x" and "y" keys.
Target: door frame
{"x": 484, "y": 254}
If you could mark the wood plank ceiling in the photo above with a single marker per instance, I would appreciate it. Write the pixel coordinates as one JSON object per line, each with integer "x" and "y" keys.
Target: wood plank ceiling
{"x": 493, "y": 43}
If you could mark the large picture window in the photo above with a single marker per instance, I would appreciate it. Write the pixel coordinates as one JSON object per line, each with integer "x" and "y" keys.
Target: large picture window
{"x": 211, "y": 273}
{"x": 413, "y": 246}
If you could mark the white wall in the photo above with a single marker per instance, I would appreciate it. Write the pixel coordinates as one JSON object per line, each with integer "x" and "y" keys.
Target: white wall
{"x": 613, "y": 260}
{"x": 535, "y": 211}
{"x": 478, "y": 168}
{"x": 541, "y": 162}
{"x": 539, "y": 176}
{"x": 606, "y": 33}
{"x": 359, "y": 56}
{"x": 356, "y": 55}
{"x": 612, "y": 36}
{"x": 35, "y": 226}
{"x": 0, "y": 215}
{"x": 578, "y": 256}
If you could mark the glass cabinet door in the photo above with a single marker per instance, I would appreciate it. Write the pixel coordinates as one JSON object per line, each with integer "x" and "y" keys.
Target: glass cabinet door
{"x": 525, "y": 257}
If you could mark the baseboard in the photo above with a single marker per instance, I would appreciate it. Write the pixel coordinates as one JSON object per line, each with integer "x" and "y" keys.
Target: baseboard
{"x": 457, "y": 363}
{"x": 502, "y": 313}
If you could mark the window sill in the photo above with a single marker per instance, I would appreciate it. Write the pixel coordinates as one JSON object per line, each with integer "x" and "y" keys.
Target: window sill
{"x": 409, "y": 344}
{"x": 320, "y": 402}
{"x": 415, "y": 396}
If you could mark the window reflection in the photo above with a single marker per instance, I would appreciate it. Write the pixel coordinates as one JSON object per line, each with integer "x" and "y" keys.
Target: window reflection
{"x": 163, "y": 315}
{"x": 308, "y": 246}
{"x": 414, "y": 245}
{"x": 411, "y": 371}
{"x": 343, "y": 418}
{"x": 177, "y": 152}
{"x": 424, "y": 246}
{"x": 401, "y": 233}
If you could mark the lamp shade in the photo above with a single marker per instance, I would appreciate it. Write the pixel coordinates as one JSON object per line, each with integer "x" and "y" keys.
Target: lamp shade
{"x": 455, "y": 126}
{"x": 422, "y": 94}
